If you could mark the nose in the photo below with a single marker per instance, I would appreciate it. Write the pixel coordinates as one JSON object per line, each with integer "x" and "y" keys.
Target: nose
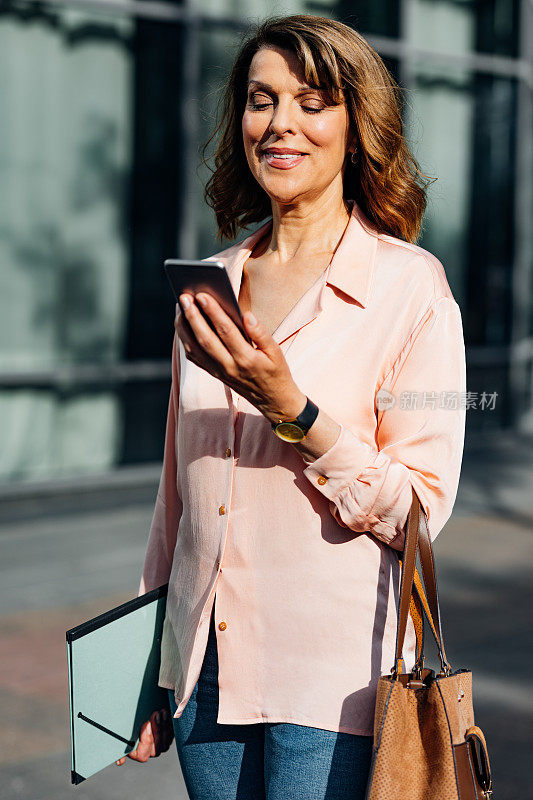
{"x": 283, "y": 119}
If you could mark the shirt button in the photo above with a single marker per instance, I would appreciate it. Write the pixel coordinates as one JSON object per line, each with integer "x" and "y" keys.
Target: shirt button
{"x": 321, "y": 479}
{"x": 228, "y": 451}
{"x": 218, "y": 564}
{"x": 222, "y": 510}
{"x": 222, "y": 626}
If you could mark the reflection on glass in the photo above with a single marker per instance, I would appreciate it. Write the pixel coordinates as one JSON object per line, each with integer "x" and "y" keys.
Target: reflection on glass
{"x": 218, "y": 50}
{"x": 65, "y": 153}
{"x": 462, "y": 126}
{"x": 463, "y": 26}
{"x": 250, "y": 9}
{"x": 439, "y": 127}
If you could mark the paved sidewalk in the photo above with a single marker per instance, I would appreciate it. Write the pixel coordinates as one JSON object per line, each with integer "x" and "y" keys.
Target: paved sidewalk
{"x": 68, "y": 563}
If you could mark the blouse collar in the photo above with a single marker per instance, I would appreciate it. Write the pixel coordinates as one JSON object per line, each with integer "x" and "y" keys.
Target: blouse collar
{"x": 351, "y": 268}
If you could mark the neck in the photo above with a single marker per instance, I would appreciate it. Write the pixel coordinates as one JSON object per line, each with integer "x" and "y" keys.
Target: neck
{"x": 304, "y": 230}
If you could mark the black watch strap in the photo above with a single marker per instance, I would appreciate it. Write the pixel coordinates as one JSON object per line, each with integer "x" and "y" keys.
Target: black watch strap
{"x": 305, "y": 419}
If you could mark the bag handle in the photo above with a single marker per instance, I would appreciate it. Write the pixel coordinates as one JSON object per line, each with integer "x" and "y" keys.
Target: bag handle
{"x": 480, "y": 757}
{"x": 417, "y": 608}
{"x": 417, "y": 538}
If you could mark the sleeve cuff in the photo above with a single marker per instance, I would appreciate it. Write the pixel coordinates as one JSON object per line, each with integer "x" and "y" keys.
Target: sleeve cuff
{"x": 339, "y": 465}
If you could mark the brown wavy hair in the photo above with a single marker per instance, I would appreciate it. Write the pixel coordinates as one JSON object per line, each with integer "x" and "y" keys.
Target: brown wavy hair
{"x": 385, "y": 181}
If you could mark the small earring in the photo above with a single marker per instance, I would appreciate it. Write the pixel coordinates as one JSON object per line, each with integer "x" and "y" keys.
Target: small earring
{"x": 353, "y": 157}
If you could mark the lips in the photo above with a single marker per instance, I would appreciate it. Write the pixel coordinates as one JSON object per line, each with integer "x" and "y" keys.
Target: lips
{"x": 283, "y": 151}
{"x": 283, "y": 160}
{"x": 287, "y": 156}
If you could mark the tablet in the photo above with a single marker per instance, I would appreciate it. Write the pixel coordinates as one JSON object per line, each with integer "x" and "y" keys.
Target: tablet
{"x": 113, "y": 677}
{"x": 205, "y": 276}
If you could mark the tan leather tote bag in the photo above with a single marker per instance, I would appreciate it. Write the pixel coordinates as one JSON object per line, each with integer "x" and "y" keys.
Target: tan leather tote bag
{"x": 426, "y": 745}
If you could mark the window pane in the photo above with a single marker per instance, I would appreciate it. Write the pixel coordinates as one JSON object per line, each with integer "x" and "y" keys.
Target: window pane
{"x": 439, "y": 121}
{"x": 65, "y": 156}
{"x": 249, "y": 9}
{"x": 218, "y": 51}
{"x": 462, "y": 129}
{"x": 462, "y": 26}
{"x": 379, "y": 17}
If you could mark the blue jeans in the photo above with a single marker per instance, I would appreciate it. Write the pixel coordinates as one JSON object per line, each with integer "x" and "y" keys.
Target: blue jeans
{"x": 265, "y": 760}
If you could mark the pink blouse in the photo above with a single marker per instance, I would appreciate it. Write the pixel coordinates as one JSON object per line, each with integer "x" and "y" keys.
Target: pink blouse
{"x": 303, "y": 556}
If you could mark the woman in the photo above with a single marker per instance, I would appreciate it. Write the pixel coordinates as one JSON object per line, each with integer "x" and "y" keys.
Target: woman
{"x": 358, "y": 338}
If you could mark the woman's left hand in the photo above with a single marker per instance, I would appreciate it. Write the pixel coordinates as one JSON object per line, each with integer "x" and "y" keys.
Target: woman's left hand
{"x": 259, "y": 374}
{"x": 155, "y": 737}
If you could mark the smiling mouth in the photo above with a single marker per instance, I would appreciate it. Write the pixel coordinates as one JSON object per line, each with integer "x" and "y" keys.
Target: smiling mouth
{"x": 283, "y": 160}
{"x": 283, "y": 155}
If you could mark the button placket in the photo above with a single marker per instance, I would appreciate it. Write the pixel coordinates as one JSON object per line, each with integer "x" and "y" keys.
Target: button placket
{"x": 231, "y": 454}
{"x": 228, "y": 452}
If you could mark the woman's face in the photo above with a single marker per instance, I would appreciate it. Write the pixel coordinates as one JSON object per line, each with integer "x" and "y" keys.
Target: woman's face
{"x": 282, "y": 111}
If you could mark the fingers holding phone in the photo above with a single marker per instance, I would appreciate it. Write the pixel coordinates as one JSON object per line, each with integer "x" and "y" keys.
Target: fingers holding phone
{"x": 192, "y": 277}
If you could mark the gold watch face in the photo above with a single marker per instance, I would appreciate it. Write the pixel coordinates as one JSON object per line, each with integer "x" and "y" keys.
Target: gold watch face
{"x": 289, "y": 431}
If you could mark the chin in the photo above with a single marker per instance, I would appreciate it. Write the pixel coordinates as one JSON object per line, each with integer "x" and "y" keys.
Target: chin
{"x": 286, "y": 195}
{"x": 285, "y": 200}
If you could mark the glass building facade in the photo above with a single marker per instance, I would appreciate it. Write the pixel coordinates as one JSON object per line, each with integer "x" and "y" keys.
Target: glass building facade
{"x": 104, "y": 108}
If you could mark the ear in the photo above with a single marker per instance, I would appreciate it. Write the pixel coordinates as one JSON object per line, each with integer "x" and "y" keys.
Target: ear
{"x": 351, "y": 142}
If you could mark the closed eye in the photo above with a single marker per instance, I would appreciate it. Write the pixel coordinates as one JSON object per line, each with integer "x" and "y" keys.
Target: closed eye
{"x": 307, "y": 109}
{"x": 258, "y": 106}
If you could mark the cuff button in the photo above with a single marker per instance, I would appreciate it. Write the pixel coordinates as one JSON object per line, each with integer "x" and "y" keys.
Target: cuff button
{"x": 321, "y": 479}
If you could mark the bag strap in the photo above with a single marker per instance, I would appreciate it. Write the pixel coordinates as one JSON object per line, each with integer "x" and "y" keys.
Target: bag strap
{"x": 417, "y": 615}
{"x": 417, "y": 538}
{"x": 406, "y": 584}
{"x": 417, "y": 608}
{"x": 429, "y": 574}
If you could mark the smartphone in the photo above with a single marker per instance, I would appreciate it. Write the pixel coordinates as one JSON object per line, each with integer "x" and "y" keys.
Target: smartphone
{"x": 205, "y": 276}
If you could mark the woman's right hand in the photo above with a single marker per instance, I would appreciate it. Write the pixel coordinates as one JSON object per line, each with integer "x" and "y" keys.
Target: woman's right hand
{"x": 155, "y": 738}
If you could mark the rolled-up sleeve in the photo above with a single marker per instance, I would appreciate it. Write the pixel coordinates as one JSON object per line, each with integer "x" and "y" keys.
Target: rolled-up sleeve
{"x": 419, "y": 437}
{"x": 168, "y": 505}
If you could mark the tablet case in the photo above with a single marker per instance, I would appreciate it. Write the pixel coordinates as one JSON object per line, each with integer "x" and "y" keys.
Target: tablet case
{"x": 113, "y": 672}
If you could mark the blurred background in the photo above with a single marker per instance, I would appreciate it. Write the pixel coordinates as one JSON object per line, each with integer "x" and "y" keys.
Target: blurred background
{"x": 104, "y": 108}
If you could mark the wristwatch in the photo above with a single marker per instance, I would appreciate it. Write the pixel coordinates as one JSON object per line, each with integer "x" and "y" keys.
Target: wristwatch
{"x": 294, "y": 430}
